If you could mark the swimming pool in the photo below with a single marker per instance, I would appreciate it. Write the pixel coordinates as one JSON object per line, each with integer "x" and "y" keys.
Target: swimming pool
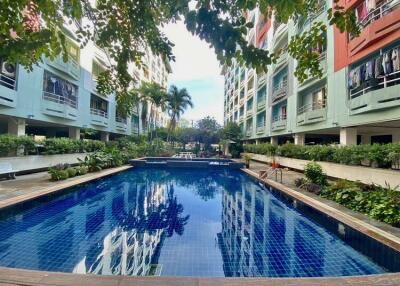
{"x": 168, "y": 221}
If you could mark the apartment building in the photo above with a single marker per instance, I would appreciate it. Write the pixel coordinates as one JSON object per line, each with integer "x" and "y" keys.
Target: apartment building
{"x": 60, "y": 98}
{"x": 357, "y": 99}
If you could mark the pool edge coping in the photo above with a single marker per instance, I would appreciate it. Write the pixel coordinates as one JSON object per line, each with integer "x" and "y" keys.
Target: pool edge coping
{"x": 366, "y": 228}
{"x": 15, "y": 276}
{"x": 7, "y": 203}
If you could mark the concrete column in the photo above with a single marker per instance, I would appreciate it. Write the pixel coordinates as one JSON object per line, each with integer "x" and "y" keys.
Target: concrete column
{"x": 105, "y": 136}
{"x": 348, "y": 136}
{"x": 366, "y": 139}
{"x": 299, "y": 139}
{"x": 274, "y": 140}
{"x": 396, "y": 136}
{"x": 257, "y": 141}
{"x": 16, "y": 126}
{"x": 74, "y": 133}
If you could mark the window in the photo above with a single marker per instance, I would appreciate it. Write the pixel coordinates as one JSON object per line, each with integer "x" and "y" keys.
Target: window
{"x": 73, "y": 51}
{"x": 98, "y": 106}
{"x": 319, "y": 99}
{"x": 97, "y": 69}
{"x": 59, "y": 90}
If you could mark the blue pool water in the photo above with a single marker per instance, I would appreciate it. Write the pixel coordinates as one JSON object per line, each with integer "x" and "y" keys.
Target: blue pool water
{"x": 175, "y": 222}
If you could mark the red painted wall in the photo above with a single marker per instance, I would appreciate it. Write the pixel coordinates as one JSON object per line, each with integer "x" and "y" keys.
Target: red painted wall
{"x": 372, "y": 38}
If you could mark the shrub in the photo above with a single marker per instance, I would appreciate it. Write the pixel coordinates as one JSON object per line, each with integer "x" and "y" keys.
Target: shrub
{"x": 61, "y": 146}
{"x": 9, "y": 144}
{"x": 315, "y": 174}
{"x": 82, "y": 170}
{"x": 59, "y": 172}
{"x": 72, "y": 172}
{"x": 377, "y": 202}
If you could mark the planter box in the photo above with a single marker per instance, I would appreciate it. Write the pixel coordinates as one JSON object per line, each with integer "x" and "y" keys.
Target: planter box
{"x": 27, "y": 164}
{"x": 365, "y": 175}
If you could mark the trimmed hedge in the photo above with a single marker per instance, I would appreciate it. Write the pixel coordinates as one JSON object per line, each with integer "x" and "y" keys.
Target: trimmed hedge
{"x": 375, "y": 155}
{"x": 9, "y": 145}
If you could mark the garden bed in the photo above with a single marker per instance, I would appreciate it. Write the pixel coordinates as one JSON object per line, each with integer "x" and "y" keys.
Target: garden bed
{"x": 366, "y": 175}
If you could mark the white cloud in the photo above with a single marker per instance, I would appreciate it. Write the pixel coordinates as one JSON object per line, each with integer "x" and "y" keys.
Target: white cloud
{"x": 194, "y": 58}
{"x": 197, "y": 69}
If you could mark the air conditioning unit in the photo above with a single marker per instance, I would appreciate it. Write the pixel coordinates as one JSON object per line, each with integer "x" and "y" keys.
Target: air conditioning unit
{"x": 8, "y": 69}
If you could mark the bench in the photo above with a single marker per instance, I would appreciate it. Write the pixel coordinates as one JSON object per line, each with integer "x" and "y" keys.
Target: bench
{"x": 7, "y": 170}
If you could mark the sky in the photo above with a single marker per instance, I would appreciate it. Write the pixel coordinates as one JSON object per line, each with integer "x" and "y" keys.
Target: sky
{"x": 197, "y": 69}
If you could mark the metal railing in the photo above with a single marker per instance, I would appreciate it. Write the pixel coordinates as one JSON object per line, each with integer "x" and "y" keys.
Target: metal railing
{"x": 277, "y": 118}
{"x": 384, "y": 8}
{"x": 120, "y": 120}
{"x": 260, "y": 127}
{"x": 7, "y": 81}
{"x": 383, "y": 82}
{"x": 60, "y": 99}
{"x": 279, "y": 90}
{"x": 98, "y": 112}
{"x": 321, "y": 104}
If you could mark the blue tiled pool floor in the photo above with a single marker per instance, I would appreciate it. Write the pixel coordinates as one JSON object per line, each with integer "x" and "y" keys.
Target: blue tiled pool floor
{"x": 175, "y": 222}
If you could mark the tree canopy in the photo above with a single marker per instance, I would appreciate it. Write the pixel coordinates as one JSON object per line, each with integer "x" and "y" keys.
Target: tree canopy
{"x": 31, "y": 29}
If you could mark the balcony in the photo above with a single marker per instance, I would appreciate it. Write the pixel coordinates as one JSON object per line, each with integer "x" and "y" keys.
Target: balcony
{"x": 135, "y": 128}
{"x": 280, "y": 34}
{"x": 312, "y": 79}
{"x": 241, "y": 118}
{"x": 261, "y": 104}
{"x": 98, "y": 117}
{"x": 8, "y": 94}
{"x": 280, "y": 91}
{"x": 249, "y": 112}
{"x": 249, "y": 132}
{"x": 121, "y": 124}
{"x": 250, "y": 93}
{"x": 385, "y": 94}
{"x": 278, "y": 123}
{"x": 377, "y": 24}
{"x": 311, "y": 113}
{"x": 283, "y": 57}
{"x": 261, "y": 79}
{"x": 241, "y": 101}
{"x": 71, "y": 67}
{"x": 260, "y": 128}
{"x": 59, "y": 106}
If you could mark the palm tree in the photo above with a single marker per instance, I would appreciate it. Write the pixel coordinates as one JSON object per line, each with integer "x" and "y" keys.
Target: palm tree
{"x": 178, "y": 101}
{"x": 152, "y": 97}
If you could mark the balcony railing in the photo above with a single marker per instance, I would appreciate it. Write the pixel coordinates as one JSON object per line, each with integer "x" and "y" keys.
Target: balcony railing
{"x": 382, "y": 82}
{"x": 260, "y": 128}
{"x": 7, "y": 81}
{"x": 261, "y": 78}
{"x": 321, "y": 104}
{"x": 120, "y": 120}
{"x": 261, "y": 103}
{"x": 249, "y": 132}
{"x": 60, "y": 99}
{"x": 384, "y": 8}
{"x": 277, "y": 118}
{"x": 249, "y": 112}
{"x": 280, "y": 90}
{"x": 98, "y": 112}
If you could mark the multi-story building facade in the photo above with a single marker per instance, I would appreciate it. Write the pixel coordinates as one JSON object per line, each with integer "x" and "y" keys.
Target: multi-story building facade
{"x": 59, "y": 98}
{"x": 355, "y": 101}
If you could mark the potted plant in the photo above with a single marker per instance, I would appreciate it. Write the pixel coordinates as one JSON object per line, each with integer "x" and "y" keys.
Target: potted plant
{"x": 246, "y": 157}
